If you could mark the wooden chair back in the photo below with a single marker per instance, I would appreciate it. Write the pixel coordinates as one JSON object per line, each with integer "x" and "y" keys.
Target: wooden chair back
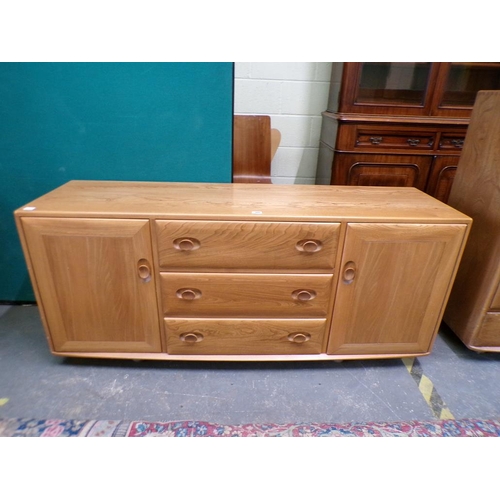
{"x": 254, "y": 145}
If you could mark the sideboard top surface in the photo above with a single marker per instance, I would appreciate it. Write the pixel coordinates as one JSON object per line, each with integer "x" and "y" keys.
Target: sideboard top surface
{"x": 210, "y": 201}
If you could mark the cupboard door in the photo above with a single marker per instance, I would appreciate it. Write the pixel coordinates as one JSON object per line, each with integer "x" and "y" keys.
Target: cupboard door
{"x": 96, "y": 283}
{"x": 393, "y": 282}
{"x": 442, "y": 176}
{"x": 381, "y": 170}
{"x": 458, "y": 84}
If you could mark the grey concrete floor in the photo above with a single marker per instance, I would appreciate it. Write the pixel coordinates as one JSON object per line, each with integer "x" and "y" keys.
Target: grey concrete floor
{"x": 36, "y": 384}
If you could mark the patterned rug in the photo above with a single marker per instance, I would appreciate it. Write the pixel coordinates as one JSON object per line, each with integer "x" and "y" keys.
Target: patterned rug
{"x": 25, "y": 427}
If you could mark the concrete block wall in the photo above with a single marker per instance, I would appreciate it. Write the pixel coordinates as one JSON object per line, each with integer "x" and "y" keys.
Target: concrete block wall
{"x": 293, "y": 94}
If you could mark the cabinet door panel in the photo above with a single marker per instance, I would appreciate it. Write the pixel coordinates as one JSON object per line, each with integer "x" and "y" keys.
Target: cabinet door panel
{"x": 392, "y": 285}
{"x": 442, "y": 176}
{"x": 381, "y": 170}
{"x": 96, "y": 283}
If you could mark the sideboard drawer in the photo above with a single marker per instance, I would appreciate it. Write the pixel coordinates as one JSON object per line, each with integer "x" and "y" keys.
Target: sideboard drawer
{"x": 244, "y": 336}
{"x": 243, "y": 295}
{"x": 452, "y": 142}
{"x": 293, "y": 246}
{"x": 390, "y": 139}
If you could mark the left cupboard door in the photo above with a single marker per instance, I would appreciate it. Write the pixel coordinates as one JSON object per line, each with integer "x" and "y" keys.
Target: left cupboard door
{"x": 96, "y": 283}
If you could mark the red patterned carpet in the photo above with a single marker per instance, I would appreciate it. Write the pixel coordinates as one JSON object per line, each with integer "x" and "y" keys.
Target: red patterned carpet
{"x": 117, "y": 428}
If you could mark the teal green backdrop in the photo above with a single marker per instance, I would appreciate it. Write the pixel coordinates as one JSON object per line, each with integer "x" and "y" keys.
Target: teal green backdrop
{"x": 105, "y": 121}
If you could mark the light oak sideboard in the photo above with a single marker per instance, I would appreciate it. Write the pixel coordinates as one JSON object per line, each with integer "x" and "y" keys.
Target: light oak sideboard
{"x": 473, "y": 310}
{"x": 248, "y": 272}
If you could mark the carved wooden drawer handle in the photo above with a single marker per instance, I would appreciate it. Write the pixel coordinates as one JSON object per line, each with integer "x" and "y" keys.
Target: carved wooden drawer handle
{"x": 191, "y": 337}
{"x": 299, "y": 337}
{"x": 309, "y": 246}
{"x": 303, "y": 295}
{"x": 349, "y": 272}
{"x": 144, "y": 270}
{"x": 186, "y": 244}
{"x": 188, "y": 293}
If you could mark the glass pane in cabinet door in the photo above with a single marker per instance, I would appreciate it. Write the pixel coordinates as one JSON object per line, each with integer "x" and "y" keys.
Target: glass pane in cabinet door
{"x": 466, "y": 79}
{"x": 394, "y": 83}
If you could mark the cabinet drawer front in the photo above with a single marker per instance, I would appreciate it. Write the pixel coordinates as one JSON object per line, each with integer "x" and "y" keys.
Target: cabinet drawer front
{"x": 243, "y": 295}
{"x": 244, "y": 336}
{"x": 382, "y": 139}
{"x": 452, "y": 142}
{"x": 196, "y": 245}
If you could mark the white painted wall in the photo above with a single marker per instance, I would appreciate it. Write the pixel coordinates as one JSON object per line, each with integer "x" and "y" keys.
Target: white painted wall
{"x": 293, "y": 94}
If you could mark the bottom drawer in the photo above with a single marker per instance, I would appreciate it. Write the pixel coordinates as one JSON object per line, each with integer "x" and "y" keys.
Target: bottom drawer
{"x": 244, "y": 336}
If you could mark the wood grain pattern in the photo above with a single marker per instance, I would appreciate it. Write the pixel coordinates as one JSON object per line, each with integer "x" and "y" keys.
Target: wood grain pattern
{"x": 487, "y": 338}
{"x": 247, "y": 245}
{"x": 441, "y": 177}
{"x": 244, "y": 336}
{"x": 241, "y": 202}
{"x": 476, "y": 192}
{"x": 495, "y": 302}
{"x": 381, "y": 170}
{"x": 388, "y": 122}
{"x": 244, "y": 295}
{"x": 87, "y": 275}
{"x": 252, "y": 148}
{"x": 225, "y": 272}
{"x": 393, "y": 299}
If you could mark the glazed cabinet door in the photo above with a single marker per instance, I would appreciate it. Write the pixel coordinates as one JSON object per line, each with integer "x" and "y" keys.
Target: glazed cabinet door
{"x": 95, "y": 282}
{"x": 393, "y": 282}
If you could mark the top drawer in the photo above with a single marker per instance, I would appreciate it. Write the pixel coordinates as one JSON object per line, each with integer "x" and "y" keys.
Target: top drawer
{"x": 293, "y": 246}
{"x": 383, "y": 139}
{"x": 452, "y": 141}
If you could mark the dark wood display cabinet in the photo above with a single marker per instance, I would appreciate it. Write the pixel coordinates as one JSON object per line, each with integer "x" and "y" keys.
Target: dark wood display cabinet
{"x": 401, "y": 124}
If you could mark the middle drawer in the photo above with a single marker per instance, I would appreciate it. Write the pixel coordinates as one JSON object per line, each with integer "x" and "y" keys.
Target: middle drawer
{"x": 241, "y": 295}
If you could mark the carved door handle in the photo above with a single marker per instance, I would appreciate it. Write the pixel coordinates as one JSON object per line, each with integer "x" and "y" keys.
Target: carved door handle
{"x": 349, "y": 272}
{"x": 144, "y": 270}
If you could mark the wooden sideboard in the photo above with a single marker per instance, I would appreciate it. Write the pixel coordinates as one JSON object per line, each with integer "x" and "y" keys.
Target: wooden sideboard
{"x": 473, "y": 311}
{"x": 240, "y": 271}
{"x": 401, "y": 124}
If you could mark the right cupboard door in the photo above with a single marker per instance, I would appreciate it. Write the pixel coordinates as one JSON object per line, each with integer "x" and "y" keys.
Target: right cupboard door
{"x": 394, "y": 280}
